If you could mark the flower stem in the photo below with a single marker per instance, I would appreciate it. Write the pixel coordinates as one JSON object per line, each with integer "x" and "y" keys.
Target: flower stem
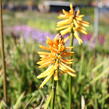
{"x": 3, "y": 54}
{"x": 70, "y": 78}
{"x": 53, "y": 93}
{"x": 54, "y": 88}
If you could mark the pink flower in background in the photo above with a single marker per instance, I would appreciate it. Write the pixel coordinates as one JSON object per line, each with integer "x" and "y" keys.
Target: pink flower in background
{"x": 101, "y": 40}
{"x": 87, "y": 37}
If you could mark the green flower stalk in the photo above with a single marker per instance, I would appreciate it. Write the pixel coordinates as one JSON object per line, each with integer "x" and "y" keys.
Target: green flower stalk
{"x": 72, "y": 23}
{"x": 3, "y": 54}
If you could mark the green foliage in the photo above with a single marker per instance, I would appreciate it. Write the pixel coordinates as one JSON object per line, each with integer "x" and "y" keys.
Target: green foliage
{"x": 43, "y": 24}
{"x": 91, "y": 83}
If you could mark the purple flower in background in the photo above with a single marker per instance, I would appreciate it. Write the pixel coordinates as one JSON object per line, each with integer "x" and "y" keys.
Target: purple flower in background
{"x": 30, "y": 33}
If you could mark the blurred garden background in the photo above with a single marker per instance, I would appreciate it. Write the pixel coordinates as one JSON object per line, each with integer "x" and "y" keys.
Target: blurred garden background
{"x": 27, "y": 23}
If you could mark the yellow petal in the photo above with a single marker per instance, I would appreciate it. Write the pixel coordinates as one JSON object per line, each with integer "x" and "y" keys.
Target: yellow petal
{"x": 71, "y": 74}
{"x": 43, "y": 56}
{"x": 46, "y": 64}
{"x": 62, "y": 68}
{"x": 78, "y": 12}
{"x": 82, "y": 31}
{"x": 41, "y": 62}
{"x": 44, "y": 60}
{"x": 75, "y": 23}
{"x": 81, "y": 16}
{"x": 46, "y": 73}
{"x": 67, "y": 67}
{"x": 85, "y": 22}
{"x": 56, "y": 76}
{"x": 65, "y": 31}
{"x": 66, "y": 54}
{"x": 77, "y": 37}
{"x": 86, "y": 25}
{"x": 43, "y": 53}
{"x": 69, "y": 48}
{"x": 63, "y": 27}
{"x": 64, "y": 22}
{"x": 62, "y": 16}
{"x": 46, "y": 79}
{"x": 65, "y": 12}
{"x": 43, "y": 47}
{"x": 48, "y": 41}
{"x": 66, "y": 62}
{"x": 71, "y": 6}
{"x": 66, "y": 39}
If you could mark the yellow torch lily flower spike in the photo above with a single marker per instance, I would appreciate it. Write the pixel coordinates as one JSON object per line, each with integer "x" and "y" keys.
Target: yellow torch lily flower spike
{"x": 55, "y": 59}
{"x": 72, "y": 21}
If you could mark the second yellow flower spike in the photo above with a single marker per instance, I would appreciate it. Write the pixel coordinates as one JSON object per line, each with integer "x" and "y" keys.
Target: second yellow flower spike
{"x": 72, "y": 21}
